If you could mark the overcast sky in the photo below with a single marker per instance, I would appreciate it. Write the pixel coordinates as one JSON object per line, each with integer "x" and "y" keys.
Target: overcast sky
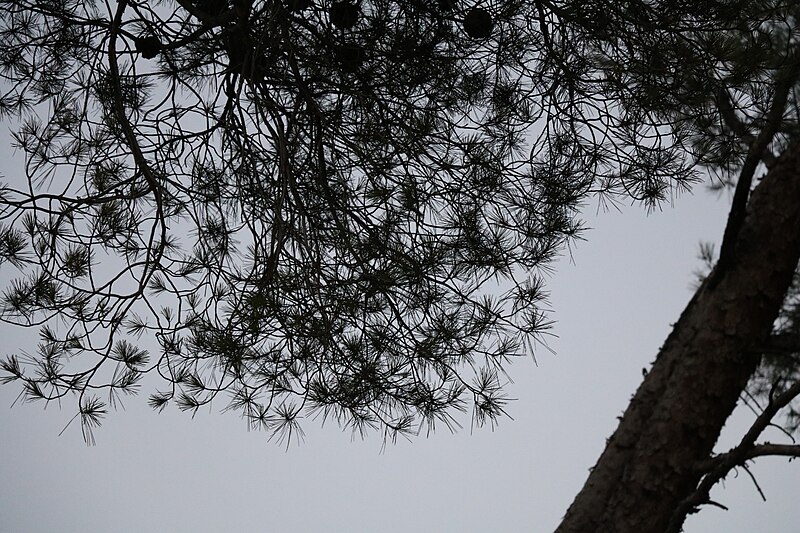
{"x": 613, "y": 301}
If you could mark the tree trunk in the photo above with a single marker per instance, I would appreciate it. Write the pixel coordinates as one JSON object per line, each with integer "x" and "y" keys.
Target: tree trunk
{"x": 673, "y": 421}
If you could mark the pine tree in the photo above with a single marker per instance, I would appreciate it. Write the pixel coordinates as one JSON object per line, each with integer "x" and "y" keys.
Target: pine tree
{"x": 317, "y": 207}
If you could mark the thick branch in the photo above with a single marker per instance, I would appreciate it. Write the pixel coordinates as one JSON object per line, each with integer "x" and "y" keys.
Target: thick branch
{"x": 785, "y": 80}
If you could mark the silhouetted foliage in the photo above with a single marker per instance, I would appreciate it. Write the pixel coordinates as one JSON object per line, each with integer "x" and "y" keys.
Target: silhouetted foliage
{"x": 308, "y": 205}
{"x": 337, "y": 207}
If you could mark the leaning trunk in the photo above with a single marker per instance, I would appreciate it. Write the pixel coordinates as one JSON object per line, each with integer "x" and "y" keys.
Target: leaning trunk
{"x": 649, "y": 465}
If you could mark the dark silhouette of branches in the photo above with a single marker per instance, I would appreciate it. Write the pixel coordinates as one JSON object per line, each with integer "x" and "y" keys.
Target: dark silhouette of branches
{"x": 311, "y": 206}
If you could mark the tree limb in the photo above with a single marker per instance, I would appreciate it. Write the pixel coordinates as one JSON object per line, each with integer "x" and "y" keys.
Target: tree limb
{"x": 768, "y": 448}
{"x": 720, "y": 466}
{"x": 739, "y": 128}
{"x": 785, "y": 81}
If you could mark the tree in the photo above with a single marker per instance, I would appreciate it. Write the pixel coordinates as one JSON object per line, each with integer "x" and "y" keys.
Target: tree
{"x": 352, "y": 180}
{"x": 735, "y": 84}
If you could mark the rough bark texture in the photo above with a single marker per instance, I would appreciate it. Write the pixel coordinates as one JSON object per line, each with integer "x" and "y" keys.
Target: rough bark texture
{"x": 675, "y": 418}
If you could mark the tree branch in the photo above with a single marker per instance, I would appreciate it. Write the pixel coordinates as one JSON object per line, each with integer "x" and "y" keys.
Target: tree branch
{"x": 739, "y": 128}
{"x": 720, "y": 466}
{"x": 768, "y": 448}
{"x": 785, "y": 80}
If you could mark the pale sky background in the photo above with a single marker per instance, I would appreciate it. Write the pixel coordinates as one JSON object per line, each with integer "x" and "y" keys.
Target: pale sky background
{"x": 613, "y": 302}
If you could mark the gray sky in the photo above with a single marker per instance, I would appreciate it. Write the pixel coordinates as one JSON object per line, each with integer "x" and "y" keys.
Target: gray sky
{"x": 614, "y": 303}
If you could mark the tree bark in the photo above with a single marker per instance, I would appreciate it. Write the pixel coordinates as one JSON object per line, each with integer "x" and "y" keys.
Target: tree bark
{"x": 650, "y": 464}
